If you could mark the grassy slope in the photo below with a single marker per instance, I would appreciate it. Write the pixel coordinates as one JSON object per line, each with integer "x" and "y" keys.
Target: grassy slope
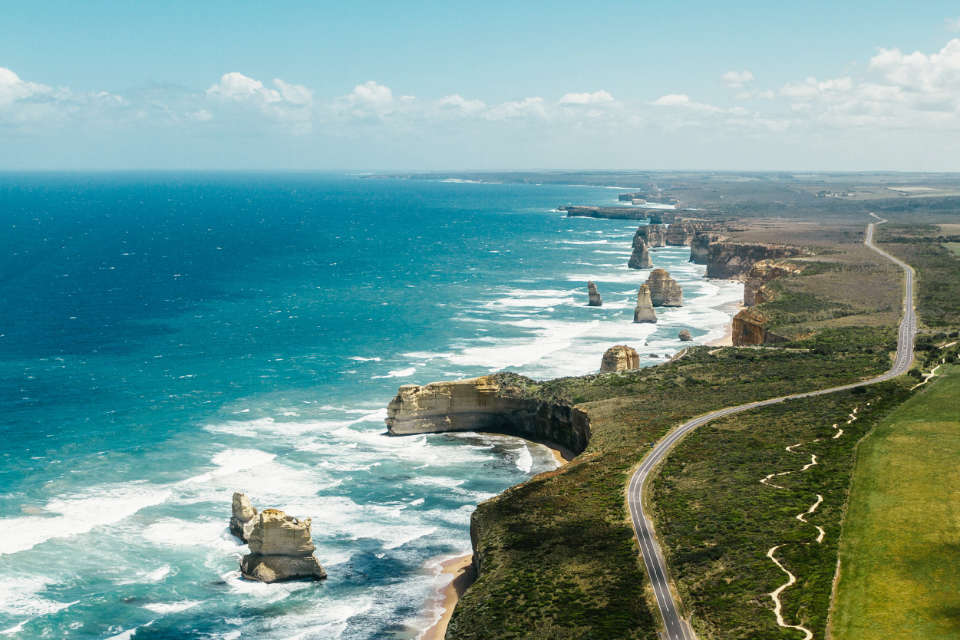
{"x": 901, "y": 547}
{"x": 718, "y": 521}
{"x": 558, "y": 554}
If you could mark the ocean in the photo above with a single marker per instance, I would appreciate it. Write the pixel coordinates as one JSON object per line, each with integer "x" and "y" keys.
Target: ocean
{"x": 167, "y": 339}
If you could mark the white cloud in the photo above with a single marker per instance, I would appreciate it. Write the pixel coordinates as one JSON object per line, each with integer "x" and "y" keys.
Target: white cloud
{"x": 236, "y": 86}
{"x": 293, "y": 93}
{"x": 812, "y": 88}
{"x": 673, "y": 100}
{"x": 934, "y": 72}
{"x": 12, "y": 88}
{"x": 595, "y": 98}
{"x": 528, "y": 107}
{"x": 953, "y": 24}
{"x": 371, "y": 94}
{"x": 737, "y": 79}
{"x": 456, "y": 102}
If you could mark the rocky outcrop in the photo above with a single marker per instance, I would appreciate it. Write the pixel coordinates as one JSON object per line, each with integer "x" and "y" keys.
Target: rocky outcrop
{"x": 281, "y": 548}
{"x": 655, "y": 235}
{"x": 620, "y": 358}
{"x": 615, "y": 213}
{"x": 631, "y": 196}
{"x": 244, "y": 517}
{"x": 750, "y": 327}
{"x": 593, "y": 295}
{"x": 733, "y": 260}
{"x": 644, "y": 312}
{"x": 700, "y": 246}
{"x": 640, "y": 258}
{"x": 499, "y": 403}
{"x": 755, "y": 290}
{"x": 684, "y": 336}
{"x": 664, "y": 290}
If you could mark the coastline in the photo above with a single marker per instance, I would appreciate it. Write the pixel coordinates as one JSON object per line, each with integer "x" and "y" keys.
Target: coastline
{"x": 727, "y": 339}
{"x": 461, "y": 568}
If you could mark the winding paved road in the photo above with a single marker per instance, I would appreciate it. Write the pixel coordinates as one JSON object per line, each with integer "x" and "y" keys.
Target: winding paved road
{"x": 675, "y": 627}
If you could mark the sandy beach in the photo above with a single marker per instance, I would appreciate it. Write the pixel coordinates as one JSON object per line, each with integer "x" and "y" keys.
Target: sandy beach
{"x": 462, "y": 571}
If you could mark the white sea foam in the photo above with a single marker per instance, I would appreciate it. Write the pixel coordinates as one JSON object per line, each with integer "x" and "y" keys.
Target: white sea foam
{"x": 524, "y": 460}
{"x": 399, "y": 373}
{"x": 78, "y": 513}
{"x": 365, "y": 359}
{"x": 164, "y": 608}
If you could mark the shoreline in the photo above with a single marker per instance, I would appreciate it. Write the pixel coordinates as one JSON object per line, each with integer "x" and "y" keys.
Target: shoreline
{"x": 727, "y": 339}
{"x": 461, "y": 567}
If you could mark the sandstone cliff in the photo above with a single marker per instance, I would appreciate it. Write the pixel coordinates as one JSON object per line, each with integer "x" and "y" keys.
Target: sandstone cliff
{"x": 750, "y": 327}
{"x": 655, "y": 235}
{"x": 684, "y": 336}
{"x": 700, "y": 246}
{"x": 640, "y": 258}
{"x": 733, "y": 260}
{"x": 644, "y": 312}
{"x": 497, "y": 403}
{"x": 664, "y": 290}
{"x": 281, "y": 548}
{"x": 755, "y": 290}
{"x": 620, "y": 358}
{"x": 593, "y": 295}
{"x": 615, "y": 213}
{"x": 244, "y": 517}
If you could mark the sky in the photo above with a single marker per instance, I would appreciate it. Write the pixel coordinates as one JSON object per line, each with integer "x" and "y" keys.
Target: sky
{"x": 447, "y": 86}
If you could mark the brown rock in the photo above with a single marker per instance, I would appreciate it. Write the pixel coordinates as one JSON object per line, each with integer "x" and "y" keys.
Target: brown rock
{"x": 653, "y": 234}
{"x": 640, "y": 258}
{"x": 755, "y": 290}
{"x": 281, "y": 548}
{"x": 685, "y": 336}
{"x": 620, "y": 358}
{"x": 594, "y": 295}
{"x": 664, "y": 290}
{"x": 644, "y": 312}
{"x": 243, "y": 518}
{"x": 733, "y": 260}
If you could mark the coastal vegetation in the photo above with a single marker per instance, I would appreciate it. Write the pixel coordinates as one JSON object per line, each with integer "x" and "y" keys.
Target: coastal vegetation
{"x": 720, "y": 509}
{"x": 558, "y": 552}
{"x": 899, "y": 543}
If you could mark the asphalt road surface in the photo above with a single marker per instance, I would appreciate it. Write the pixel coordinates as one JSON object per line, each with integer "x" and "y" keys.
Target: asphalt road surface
{"x": 674, "y": 626}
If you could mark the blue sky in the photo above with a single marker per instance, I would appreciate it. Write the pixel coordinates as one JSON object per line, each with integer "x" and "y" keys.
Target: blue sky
{"x": 470, "y": 85}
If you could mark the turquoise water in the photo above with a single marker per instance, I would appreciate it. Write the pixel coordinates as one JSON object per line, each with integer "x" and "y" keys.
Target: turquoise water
{"x": 167, "y": 339}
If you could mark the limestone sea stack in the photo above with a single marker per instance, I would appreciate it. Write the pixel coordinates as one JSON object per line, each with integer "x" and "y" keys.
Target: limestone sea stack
{"x": 594, "y": 295}
{"x": 620, "y": 358}
{"x": 244, "y": 517}
{"x": 281, "y": 548}
{"x": 640, "y": 258}
{"x": 644, "y": 312}
{"x": 653, "y": 234}
{"x": 684, "y": 336}
{"x": 664, "y": 290}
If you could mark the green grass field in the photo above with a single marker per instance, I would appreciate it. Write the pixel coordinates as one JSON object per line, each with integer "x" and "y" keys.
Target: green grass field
{"x": 954, "y": 247}
{"x": 900, "y": 550}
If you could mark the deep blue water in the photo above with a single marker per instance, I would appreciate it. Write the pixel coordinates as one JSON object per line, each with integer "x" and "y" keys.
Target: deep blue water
{"x": 166, "y": 339}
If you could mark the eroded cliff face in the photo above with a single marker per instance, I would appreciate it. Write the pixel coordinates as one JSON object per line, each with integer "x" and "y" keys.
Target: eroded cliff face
{"x": 733, "y": 260}
{"x": 750, "y": 327}
{"x": 640, "y": 258}
{"x": 755, "y": 290}
{"x": 496, "y": 404}
{"x": 655, "y": 235}
{"x": 664, "y": 290}
{"x": 700, "y": 246}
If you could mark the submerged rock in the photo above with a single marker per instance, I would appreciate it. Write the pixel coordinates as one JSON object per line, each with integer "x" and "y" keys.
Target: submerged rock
{"x": 620, "y": 358}
{"x": 685, "y": 336}
{"x": 243, "y": 518}
{"x": 594, "y": 295}
{"x": 664, "y": 290}
{"x": 281, "y": 548}
{"x": 644, "y": 312}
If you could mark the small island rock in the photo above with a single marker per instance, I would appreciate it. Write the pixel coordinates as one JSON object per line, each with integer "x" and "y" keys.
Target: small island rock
{"x": 281, "y": 548}
{"x": 664, "y": 290}
{"x": 243, "y": 518}
{"x": 644, "y": 312}
{"x": 620, "y": 358}
{"x": 685, "y": 336}
{"x": 594, "y": 295}
{"x": 640, "y": 258}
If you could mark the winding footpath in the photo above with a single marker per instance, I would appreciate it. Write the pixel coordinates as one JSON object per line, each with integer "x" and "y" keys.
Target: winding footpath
{"x": 675, "y": 627}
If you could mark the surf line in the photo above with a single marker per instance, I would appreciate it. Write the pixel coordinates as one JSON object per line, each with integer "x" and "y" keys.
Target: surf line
{"x": 802, "y": 517}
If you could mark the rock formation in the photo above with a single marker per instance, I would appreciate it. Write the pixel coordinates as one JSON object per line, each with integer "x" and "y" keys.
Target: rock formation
{"x": 700, "y": 246}
{"x": 615, "y": 213}
{"x": 593, "y": 294}
{"x": 750, "y": 328}
{"x": 631, "y": 196}
{"x": 685, "y": 336}
{"x": 498, "y": 403}
{"x": 640, "y": 258}
{"x": 653, "y": 234}
{"x": 664, "y": 290}
{"x": 755, "y": 290}
{"x": 281, "y": 548}
{"x": 244, "y": 517}
{"x": 733, "y": 260}
{"x": 620, "y": 358}
{"x": 644, "y": 312}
